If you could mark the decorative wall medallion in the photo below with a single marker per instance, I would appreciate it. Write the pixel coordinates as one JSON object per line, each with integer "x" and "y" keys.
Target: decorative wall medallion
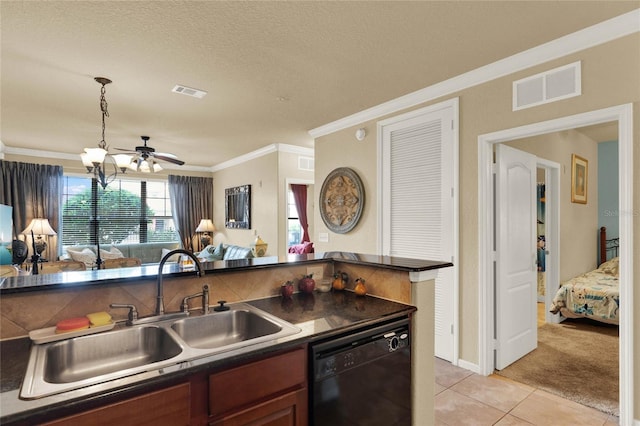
{"x": 341, "y": 200}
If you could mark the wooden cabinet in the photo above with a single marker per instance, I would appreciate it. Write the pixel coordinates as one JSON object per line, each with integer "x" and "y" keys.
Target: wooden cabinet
{"x": 289, "y": 409}
{"x": 271, "y": 391}
{"x": 169, "y": 406}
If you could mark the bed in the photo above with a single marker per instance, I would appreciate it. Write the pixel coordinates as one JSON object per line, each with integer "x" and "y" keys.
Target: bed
{"x": 594, "y": 294}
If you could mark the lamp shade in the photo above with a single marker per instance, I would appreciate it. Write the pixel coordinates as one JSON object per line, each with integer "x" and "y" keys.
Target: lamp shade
{"x": 206, "y": 225}
{"x": 94, "y": 155}
{"x": 39, "y": 226}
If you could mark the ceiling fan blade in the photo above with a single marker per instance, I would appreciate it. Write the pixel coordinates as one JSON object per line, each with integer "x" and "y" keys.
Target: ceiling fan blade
{"x": 166, "y": 154}
{"x": 169, "y": 159}
{"x": 126, "y": 150}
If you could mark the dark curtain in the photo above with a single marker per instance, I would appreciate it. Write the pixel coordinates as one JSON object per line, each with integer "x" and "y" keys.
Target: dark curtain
{"x": 300, "y": 197}
{"x": 191, "y": 201}
{"x": 33, "y": 190}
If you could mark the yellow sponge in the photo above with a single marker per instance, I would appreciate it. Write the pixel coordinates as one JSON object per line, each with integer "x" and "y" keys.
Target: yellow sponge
{"x": 99, "y": 318}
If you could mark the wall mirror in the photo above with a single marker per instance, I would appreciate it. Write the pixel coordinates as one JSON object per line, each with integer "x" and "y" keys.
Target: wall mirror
{"x": 238, "y": 207}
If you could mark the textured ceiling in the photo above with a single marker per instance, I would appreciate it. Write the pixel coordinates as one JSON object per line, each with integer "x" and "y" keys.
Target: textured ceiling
{"x": 272, "y": 70}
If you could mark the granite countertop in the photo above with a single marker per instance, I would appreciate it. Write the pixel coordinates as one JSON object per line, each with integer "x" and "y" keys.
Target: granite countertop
{"x": 83, "y": 278}
{"x": 319, "y": 315}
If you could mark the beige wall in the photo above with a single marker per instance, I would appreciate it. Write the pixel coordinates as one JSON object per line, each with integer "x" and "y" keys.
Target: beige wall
{"x": 261, "y": 174}
{"x": 609, "y": 77}
{"x": 342, "y": 149}
{"x": 579, "y": 222}
{"x": 267, "y": 176}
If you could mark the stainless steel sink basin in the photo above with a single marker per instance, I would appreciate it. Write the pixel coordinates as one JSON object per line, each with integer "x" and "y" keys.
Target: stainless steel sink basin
{"x": 95, "y": 355}
{"x": 126, "y": 355}
{"x": 224, "y": 329}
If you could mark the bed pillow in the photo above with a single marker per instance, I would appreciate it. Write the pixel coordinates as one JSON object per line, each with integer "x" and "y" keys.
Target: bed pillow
{"x": 114, "y": 253}
{"x": 611, "y": 267}
{"x": 86, "y": 255}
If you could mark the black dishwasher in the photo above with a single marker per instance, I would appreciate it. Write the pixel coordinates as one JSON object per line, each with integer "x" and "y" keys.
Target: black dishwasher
{"x": 363, "y": 378}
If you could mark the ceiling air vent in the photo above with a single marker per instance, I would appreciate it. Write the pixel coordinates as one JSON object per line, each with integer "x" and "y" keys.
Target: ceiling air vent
{"x": 550, "y": 86}
{"x": 184, "y": 90}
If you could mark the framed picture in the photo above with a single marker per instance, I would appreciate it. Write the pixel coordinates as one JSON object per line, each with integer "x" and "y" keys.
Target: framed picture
{"x": 579, "y": 178}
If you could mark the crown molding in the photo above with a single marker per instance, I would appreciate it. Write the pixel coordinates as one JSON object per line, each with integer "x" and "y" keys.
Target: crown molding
{"x": 276, "y": 147}
{"x": 27, "y": 152}
{"x": 279, "y": 147}
{"x": 586, "y": 38}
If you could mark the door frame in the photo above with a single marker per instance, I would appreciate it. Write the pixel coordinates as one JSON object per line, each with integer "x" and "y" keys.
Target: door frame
{"x": 285, "y": 237}
{"x": 623, "y": 115}
{"x": 552, "y": 234}
{"x": 454, "y": 105}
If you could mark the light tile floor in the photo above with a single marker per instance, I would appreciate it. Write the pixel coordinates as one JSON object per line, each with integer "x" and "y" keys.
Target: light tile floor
{"x": 465, "y": 398}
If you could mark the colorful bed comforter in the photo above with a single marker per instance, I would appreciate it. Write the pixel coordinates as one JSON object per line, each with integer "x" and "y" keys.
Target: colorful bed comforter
{"x": 595, "y": 295}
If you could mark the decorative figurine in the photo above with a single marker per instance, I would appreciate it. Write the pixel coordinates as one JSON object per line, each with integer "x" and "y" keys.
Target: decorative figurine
{"x": 307, "y": 284}
{"x": 338, "y": 282}
{"x": 360, "y": 289}
{"x": 286, "y": 289}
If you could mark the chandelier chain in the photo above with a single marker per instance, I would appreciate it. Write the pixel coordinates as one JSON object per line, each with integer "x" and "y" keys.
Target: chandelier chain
{"x": 105, "y": 113}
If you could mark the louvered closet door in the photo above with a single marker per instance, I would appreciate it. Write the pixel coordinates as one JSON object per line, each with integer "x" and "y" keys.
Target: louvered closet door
{"x": 418, "y": 204}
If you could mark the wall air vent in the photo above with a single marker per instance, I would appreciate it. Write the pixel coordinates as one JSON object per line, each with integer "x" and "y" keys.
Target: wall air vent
{"x": 549, "y": 86}
{"x": 184, "y": 90}
{"x": 305, "y": 163}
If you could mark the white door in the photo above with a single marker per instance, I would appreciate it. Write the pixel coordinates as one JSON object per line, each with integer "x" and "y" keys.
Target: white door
{"x": 418, "y": 214}
{"x": 516, "y": 278}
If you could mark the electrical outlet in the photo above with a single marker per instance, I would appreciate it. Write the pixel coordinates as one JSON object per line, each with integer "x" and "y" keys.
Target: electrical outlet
{"x": 317, "y": 271}
{"x": 323, "y": 237}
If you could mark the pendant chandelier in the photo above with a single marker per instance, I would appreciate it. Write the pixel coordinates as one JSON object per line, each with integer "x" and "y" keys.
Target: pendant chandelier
{"x": 96, "y": 159}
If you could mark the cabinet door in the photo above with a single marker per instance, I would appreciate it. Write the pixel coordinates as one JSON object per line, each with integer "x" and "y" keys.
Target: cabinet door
{"x": 287, "y": 410}
{"x": 250, "y": 384}
{"x": 170, "y": 406}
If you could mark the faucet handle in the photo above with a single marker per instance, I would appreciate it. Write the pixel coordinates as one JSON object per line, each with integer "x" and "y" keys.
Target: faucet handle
{"x": 205, "y": 299}
{"x": 133, "y": 312}
{"x": 221, "y": 306}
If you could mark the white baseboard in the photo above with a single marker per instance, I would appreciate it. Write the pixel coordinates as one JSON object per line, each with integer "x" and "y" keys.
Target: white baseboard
{"x": 471, "y": 367}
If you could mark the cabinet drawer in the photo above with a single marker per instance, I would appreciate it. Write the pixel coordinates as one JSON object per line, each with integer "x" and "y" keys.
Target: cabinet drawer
{"x": 247, "y": 384}
{"x": 167, "y": 406}
{"x": 289, "y": 409}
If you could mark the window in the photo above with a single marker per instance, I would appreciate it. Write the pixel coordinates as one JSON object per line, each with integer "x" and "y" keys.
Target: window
{"x": 294, "y": 230}
{"x": 126, "y": 212}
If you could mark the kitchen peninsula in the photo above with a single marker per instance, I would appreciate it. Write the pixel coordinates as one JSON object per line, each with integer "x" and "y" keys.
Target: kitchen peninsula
{"x": 25, "y": 306}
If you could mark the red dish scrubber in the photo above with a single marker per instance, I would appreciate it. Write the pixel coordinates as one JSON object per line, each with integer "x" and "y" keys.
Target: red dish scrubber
{"x": 72, "y": 324}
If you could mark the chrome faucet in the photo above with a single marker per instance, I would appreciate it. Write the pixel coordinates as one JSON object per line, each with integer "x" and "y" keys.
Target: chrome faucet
{"x": 160, "y": 288}
{"x": 205, "y": 300}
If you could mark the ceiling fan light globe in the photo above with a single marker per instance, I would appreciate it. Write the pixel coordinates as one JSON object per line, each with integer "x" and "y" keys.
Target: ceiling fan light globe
{"x": 144, "y": 167}
{"x": 156, "y": 167}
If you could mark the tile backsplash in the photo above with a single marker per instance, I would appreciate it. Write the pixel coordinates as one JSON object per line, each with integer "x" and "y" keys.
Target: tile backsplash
{"x": 23, "y": 312}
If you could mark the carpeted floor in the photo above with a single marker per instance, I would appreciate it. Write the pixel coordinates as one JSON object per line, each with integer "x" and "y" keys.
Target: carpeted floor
{"x": 577, "y": 359}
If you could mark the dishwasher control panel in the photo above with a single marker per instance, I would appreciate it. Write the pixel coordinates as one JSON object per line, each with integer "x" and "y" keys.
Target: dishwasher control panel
{"x": 359, "y": 352}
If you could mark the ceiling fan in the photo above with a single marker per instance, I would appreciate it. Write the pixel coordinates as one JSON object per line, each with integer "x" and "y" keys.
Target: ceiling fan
{"x": 144, "y": 157}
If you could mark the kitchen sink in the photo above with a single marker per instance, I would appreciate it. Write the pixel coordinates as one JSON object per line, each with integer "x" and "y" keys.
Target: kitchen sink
{"x": 129, "y": 354}
{"x": 224, "y": 329}
{"x": 95, "y": 355}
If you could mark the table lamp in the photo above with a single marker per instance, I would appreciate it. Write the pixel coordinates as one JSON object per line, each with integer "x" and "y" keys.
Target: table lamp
{"x": 205, "y": 226}
{"x": 39, "y": 227}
